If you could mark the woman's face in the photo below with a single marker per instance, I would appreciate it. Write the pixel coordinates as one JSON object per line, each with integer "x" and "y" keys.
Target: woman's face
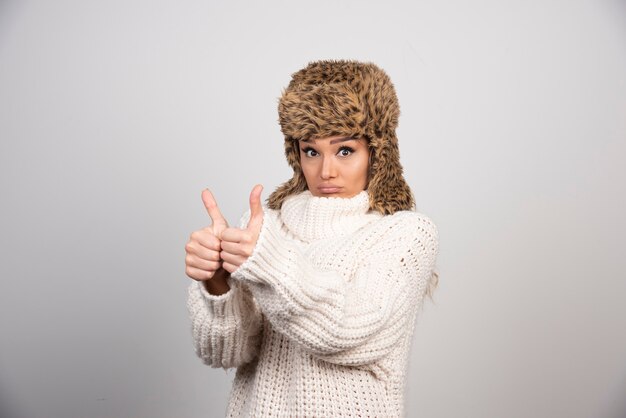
{"x": 335, "y": 166}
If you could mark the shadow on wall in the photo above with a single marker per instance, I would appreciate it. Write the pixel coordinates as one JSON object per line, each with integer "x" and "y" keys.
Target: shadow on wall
{"x": 617, "y": 408}
{"x": 7, "y": 410}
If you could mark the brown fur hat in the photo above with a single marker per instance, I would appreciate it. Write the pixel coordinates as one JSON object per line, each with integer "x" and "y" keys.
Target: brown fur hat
{"x": 351, "y": 98}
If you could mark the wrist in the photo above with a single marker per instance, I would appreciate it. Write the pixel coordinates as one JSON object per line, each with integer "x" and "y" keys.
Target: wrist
{"x": 217, "y": 285}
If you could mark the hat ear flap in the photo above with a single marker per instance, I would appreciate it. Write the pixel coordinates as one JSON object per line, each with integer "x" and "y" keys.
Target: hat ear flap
{"x": 387, "y": 189}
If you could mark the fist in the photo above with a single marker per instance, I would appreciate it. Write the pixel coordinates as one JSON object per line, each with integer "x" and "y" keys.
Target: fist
{"x": 203, "y": 248}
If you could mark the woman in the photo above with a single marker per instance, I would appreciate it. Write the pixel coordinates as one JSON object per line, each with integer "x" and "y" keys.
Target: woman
{"x": 314, "y": 297}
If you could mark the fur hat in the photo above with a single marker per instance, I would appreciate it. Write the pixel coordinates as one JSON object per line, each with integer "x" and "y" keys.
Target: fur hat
{"x": 351, "y": 98}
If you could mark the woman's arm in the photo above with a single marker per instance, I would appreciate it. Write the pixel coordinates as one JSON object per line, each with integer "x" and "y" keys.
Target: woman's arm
{"x": 226, "y": 321}
{"x": 226, "y": 328}
{"x": 353, "y": 320}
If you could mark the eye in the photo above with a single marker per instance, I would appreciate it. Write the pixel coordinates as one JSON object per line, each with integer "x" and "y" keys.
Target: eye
{"x": 344, "y": 151}
{"x": 306, "y": 151}
{"x": 348, "y": 149}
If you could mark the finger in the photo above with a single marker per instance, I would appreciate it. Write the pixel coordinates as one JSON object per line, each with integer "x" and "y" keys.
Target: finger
{"x": 232, "y": 258}
{"x": 208, "y": 254}
{"x": 229, "y": 267}
{"x": 198, "y": 274}
{"x": 235, "y": 235}
{"x": 256, "y": 208}
{"x": 202, "y": 264}
{"x": 206, "y": 238}
{"x": 211, "y": 206}
{"x": 202, "y": 252}
{"x": 234, "y": 248}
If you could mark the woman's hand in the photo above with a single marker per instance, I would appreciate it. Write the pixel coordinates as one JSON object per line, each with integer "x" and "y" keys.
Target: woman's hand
{"x": 203, "y": 248}
{"x": 238, "y": 244}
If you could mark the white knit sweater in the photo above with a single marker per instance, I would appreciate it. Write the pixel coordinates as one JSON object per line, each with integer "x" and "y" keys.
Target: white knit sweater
{"x": 319, "y": 319}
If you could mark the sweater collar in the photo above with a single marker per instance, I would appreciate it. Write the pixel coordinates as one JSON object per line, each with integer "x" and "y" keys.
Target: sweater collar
{"x": 311, "y": 217}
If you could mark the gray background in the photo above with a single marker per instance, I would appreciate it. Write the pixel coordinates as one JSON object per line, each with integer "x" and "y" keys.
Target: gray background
{"x": 115, "y": 115}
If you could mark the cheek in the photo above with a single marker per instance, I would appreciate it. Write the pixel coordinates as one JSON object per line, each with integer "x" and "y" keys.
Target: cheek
{"x": 360, "y": 166}
{"x": 306, "y": 169}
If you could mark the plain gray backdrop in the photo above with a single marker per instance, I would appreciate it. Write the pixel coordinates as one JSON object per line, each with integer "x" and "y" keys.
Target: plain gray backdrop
{"x": 114, "y": 115}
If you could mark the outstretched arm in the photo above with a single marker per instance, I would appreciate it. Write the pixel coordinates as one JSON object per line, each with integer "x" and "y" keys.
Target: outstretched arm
{"x": 353, "y": 320}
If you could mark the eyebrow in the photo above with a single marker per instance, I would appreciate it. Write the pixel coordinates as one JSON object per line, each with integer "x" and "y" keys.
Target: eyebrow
{"x": 334, "y": 141}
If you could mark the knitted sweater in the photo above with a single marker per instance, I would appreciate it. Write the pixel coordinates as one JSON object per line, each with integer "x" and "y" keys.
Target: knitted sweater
{"x": 319, "y": 319}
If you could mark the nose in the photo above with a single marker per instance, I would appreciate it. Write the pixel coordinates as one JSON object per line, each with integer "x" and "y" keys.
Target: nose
{"x": 328, "y": 168}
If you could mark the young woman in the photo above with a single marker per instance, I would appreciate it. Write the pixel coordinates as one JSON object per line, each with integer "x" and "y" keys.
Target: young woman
{"x": 314, "y": 297}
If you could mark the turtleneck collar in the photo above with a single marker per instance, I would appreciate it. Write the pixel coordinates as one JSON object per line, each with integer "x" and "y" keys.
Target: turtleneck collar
{"x": 311, "y": 218}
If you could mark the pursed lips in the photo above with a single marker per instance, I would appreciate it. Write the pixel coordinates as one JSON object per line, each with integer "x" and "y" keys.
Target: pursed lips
{"x": 328, "y": 188}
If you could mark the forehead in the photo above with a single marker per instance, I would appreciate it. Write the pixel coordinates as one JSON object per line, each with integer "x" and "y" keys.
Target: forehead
{"x": 333, "y": 139}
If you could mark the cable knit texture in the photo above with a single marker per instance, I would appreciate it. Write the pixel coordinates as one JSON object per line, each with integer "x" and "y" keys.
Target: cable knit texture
{"x": 319, "y": 319}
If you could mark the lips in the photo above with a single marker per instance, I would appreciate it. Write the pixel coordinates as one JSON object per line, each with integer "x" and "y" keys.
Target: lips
{"x": 328, "y": 188}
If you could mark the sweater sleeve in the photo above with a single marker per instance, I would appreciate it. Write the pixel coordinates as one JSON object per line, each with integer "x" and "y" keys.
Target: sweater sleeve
{"x": 226, "y": 328}
{"x": 350, "y": 319}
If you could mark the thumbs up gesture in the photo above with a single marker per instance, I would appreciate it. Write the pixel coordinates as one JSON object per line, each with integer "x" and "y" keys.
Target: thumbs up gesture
{"x": 238, "y": 244}
{"x": 203, "y": 248}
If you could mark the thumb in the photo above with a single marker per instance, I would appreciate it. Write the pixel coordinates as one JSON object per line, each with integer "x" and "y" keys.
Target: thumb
{"x": 217, "y": 219}
{"x": 256, "y": 209}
